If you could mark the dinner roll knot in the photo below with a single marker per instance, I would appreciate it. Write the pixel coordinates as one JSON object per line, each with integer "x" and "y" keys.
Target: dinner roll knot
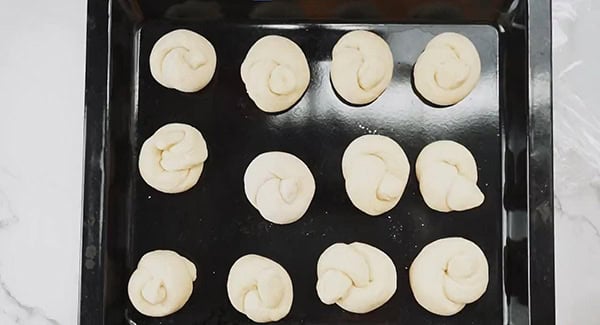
{"x": 276, "y": 73}
{"x": 357, "y": 277}
{"x": 447, "y": 174}
{"x": 162, "y": 283}
{"x": 172, "y": 159}
{"x": 280, "y": 186}
{"x": 183, "y": 60}
{"x": 448, "y": 274}
{"x": 448, "y": 69}
{"x": 376, "y": 171}
{"x": 260, "y": 288}
{"x": 362, "y": 66}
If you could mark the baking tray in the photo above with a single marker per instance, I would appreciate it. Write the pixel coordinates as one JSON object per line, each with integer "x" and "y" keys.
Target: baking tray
{"x": 505, "y": 122}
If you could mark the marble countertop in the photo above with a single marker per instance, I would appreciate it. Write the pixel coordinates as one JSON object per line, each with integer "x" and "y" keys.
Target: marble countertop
{"x": 41, "y": 136}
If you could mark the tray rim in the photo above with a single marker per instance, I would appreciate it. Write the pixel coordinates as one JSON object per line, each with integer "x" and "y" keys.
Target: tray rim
{"x": 540, "y": 258}
{"x": 540, "y": 164}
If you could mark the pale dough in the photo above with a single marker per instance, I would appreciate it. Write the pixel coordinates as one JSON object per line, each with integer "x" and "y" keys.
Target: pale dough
{"x": 447, "y": 174}
{"x": 362, "y": 66}
{"x": 280, "y": 186}
{"x": 162, "y": 283}
{"x": 276, "y": 73}
{"x": 448, "y": 274}
{"x": 172, "y": 159}
{"x": 260, "y": 288}
{"x": 357, "y": 277}
{"x": 183, "y": 60}
{"x": 447, "y": 70}
{"x": 376, "y": 171}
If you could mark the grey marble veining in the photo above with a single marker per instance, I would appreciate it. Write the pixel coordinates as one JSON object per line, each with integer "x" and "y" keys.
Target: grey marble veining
{"x": 7, "y": 215}
{"x": 14, "y": 312}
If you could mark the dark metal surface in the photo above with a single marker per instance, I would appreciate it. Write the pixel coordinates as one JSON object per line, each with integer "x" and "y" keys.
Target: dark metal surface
{"x": 92, "y": 303}
{"x": 213, "y": 224}
{"x": 540, "y": 189}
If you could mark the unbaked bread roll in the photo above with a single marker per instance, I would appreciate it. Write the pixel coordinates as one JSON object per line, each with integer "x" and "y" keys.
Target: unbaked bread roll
{"x": 280, "y": 186}
{"x": 260, "y": 288}
{"x": 448, "y": 274}
{"x": 447, "y": 175}
{"x": 447, "y": 70}
{"x": 162, "y": 283}
{"x": 357, "y": 277}
{"x": 376, "y": 172}
{"x": 276, "y": 73}
{"x": 172, "y": 159}
{"x": 183, "y": 60}
{"x": 362, "y": 66}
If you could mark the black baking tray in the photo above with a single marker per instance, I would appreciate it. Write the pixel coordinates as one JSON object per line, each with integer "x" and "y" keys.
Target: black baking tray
{"x": 506, "y": 122}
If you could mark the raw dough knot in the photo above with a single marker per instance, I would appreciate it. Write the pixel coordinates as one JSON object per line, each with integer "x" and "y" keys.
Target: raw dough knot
{"x": 154, "y": 291}
{"x": 183, "y": 60}
{"x": 172, "y": 159}
{"x": 357, "y": 277}
{"x": 447, "y": 174}
{"x": 260, "y": 288}
{"x": 452, "y": 72}
{"x": 282, "y": 80}
{"x": 280, "y": 186}
{"x": 376, "y": 171}
{"x": 370, "y": 73}
{"x": 448, "y": 274}
{"x": 276, "y": 73}
{"x": 162, "y": 283}
{"x": 448, "y": 69}
{"x": 390, "y": 188}
{"x": 288, "y": 188}
{"x": 361, "y": 67}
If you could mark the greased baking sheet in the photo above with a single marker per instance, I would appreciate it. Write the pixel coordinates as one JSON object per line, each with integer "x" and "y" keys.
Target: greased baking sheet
{"x": 213, "y": 224}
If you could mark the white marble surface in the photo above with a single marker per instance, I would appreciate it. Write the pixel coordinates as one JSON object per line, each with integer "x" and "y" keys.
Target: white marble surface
{"x": 41, "y": 136}
{"x": 42, "y": 51}
{"x": 577, "y": 160}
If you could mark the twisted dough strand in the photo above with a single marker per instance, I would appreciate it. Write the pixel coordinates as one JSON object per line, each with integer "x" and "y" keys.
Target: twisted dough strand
{"x": 447, "y": 174}
{"x": 448, "y": 69}
{"x": 362, "y": 66}
{"x": 280, "y": 186}
{"x": 162, "y": 283}
{"x": 276, "y": 73}
{"x": 260, "y": 288}
{"x": 448, "y": 274}
{"x": 376, "y": 171}
{"x": 172, "y": 159}
{"x": 183, "y": 60}
{"x": 357, "y": 277}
